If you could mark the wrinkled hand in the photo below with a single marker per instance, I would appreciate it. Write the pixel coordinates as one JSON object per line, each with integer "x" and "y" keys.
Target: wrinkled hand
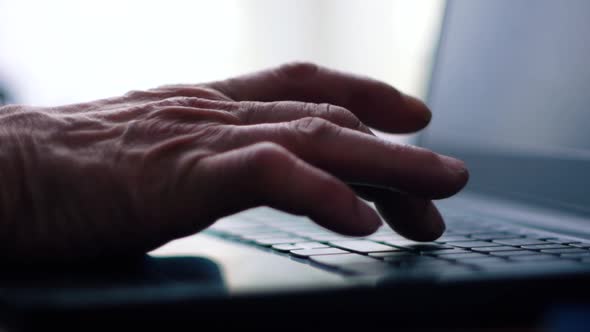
{"x": 127, "y": 174}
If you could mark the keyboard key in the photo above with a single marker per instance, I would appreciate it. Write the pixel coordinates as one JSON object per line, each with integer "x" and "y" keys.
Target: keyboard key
{"x": 559, "y": 240}
{"x": 546, "y": 246}
{"x": 257, "y": 236}
{"x": 304, "y": 253}
{"x": 466, "y": 256}
{"x": 341, "y": 260}
{"x": 393, "y": 254}
{"x": 581, "y": 245}
{"x": 509, "y": 253}
{"x": 362, "y": 246}
{"x": 495, "y": 236}
{"x": 312, "y": 233}
{"x": 427, "y": 247}
{"x": 472, "y": 244}
{"x": 301, "y": 245}
{"x": 519, "y": 242}
{"x": 386, "y": 237}
{"x": 400, "y": 243}
{"x": 444, "y": 253}
{"x": 492, "y": 249}
{"x": 272, "y": 241}
{"x": 563, "y": 251}
{"x": 327, "y": 238}
{"x": 453, "y": 238}
{"x": 310, "y": 245}
{"x": 285, "y": 247}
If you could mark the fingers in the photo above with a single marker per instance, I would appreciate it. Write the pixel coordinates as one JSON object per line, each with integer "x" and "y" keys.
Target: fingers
{"x": 375, "y": 103}
{"x": 267, "y": 174}
{"x": 412, "y": 217}
{"x": 361, "y": 158}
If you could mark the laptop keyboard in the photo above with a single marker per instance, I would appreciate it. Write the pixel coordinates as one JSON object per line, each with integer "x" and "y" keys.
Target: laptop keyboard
{"x": 470, "y": 244}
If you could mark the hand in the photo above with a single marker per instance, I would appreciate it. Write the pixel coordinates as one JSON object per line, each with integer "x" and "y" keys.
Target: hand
{"x": 127, "y": 174}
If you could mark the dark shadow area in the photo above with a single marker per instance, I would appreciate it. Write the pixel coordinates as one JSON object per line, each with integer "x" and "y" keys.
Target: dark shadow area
{"x": 29, "y": 297}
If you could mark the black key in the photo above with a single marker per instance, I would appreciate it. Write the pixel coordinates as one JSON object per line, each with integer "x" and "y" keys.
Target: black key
{"x": 303, "y": 253}
{"x": 301, "y": 245}
{"x": 530, "y": 258}
{"x": 362, "y": 246}
{"x": 495, "y": 236}
{"x": 559, "y": 240}
{"x": 467, "y": 256}
{"x": 519, "y": 242}
{"x": 563, "y": 251}
{"x": 443, "y": 253}
{"x": 341, "y": 260}
{"x": 546, "y": 246}
{"x": 510, "y": 253}
{"x": 492, "y": 249}
{"x": 472, "y": 244}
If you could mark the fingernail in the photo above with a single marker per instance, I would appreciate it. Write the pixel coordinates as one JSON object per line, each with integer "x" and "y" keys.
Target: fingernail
{"x": 368, "y": 216}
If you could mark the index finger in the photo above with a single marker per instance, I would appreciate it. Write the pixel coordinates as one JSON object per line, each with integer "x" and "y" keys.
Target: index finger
{"x": 377, "y": 104}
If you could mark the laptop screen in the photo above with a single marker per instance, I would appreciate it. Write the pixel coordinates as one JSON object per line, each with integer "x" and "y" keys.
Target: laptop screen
{"x": 510, "y": 94}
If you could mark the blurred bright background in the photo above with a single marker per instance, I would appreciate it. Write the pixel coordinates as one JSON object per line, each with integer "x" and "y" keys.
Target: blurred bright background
{"x": 64, "y": 51}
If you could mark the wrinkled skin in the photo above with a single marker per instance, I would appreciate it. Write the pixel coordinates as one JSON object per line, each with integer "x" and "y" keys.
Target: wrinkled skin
{"x": 124, "y": 175}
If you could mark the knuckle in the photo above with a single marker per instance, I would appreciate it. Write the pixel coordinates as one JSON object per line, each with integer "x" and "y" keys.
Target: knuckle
{"x": 314, "y": 127}
{"x": 267, "y": 155}
{"x": 269, "y": 162}
{"x": 298, "y": 70}
{"x": 343, "y": 116}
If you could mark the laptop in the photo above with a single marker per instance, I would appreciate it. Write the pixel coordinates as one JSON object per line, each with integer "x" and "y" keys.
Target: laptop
{"x": 510, "y": 96}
